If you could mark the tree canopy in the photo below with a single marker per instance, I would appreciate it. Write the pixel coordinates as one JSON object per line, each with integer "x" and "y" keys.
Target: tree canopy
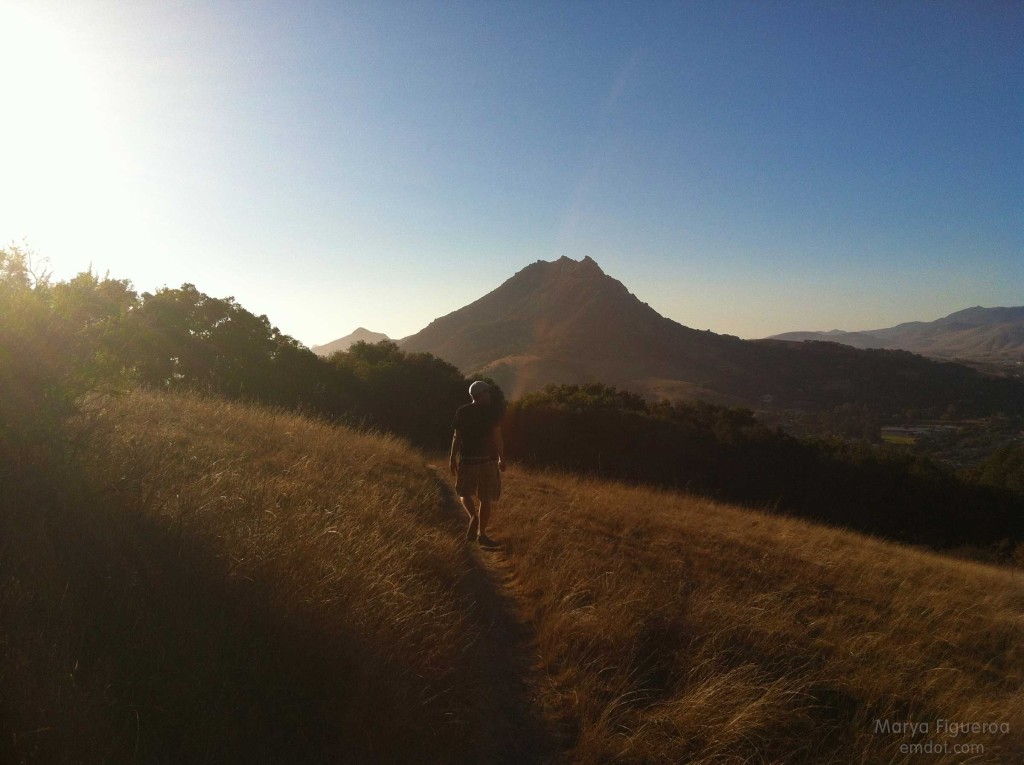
{"x": 59, "y": 340}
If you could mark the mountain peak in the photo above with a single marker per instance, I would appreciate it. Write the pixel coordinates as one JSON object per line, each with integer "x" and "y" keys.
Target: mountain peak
{"x": 586, "y": 265}
{"x": 556, "y": 321}
{"x": 344, "y": 343}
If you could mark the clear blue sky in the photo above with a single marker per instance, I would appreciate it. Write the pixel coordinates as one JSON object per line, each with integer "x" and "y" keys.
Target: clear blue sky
{"x": 749, "y": 168}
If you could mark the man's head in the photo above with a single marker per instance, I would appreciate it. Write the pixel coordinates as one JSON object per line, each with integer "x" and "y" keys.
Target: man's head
{"x": 480, "y": 392}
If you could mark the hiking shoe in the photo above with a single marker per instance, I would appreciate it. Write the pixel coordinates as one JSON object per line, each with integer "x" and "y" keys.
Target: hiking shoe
{"x": 471, "y": 531}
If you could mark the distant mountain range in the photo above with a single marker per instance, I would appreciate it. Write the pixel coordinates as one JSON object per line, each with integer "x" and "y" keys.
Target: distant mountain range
{"x": 568, "y": 322}
{"x": 975, "y": 334}
{"x": 343, "y": 343}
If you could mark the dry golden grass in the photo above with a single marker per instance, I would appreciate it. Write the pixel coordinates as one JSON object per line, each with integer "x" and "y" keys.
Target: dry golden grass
{"x": 231, "y": 584}
{"x": 672, "y": 629}
{"x": 214, "y": 582}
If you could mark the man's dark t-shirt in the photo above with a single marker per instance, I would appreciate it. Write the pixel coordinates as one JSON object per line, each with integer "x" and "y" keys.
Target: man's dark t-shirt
{"x": 475, "y": 422}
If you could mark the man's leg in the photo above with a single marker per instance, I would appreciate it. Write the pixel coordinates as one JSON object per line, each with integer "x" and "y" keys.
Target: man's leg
{"x": 490, "y": 491}
{"x": 474, "y": 517}
{"x": 485, "y": 515}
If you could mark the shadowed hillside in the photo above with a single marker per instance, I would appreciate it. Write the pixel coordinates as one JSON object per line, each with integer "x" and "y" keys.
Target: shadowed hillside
{"x": 212, "y": 582}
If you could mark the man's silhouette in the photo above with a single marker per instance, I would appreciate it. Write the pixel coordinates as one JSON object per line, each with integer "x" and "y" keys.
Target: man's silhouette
{"x": 477, "y": 441}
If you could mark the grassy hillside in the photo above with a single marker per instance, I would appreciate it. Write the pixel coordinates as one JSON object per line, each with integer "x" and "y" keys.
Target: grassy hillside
{"x": 212, "y": 582}
{"x": 195, "y": 581}
{"x": 673, "y": 629}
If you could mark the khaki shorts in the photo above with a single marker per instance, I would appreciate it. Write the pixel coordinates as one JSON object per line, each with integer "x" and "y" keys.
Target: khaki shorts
{"x": 479, "y": 479}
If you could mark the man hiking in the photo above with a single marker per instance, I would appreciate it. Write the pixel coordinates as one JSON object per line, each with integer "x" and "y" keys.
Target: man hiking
{"x": 477, "y": 439}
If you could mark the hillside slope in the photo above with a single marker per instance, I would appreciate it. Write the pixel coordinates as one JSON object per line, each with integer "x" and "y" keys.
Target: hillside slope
{"x": 215, "y": 582}
{"x": 673, "y": 629}
{"x": 211, "y": 582}
{"x": 976, "y": 334}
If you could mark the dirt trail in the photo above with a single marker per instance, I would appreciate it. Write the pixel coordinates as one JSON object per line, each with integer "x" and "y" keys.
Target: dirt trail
{"x": 518, "y": 729}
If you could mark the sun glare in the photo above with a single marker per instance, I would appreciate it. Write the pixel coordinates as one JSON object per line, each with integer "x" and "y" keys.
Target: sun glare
{"x": 63, "y": 173}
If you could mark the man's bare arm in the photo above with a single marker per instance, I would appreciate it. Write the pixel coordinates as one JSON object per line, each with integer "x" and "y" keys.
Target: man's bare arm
{"x": 456, "y": 448}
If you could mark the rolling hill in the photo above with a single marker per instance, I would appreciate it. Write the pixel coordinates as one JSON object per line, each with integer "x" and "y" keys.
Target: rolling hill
{"x": 973, "y": 334}
{"x": 567, "y": 321}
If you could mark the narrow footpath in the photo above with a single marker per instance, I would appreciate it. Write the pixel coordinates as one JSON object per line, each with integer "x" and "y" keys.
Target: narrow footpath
{"x": 518, "y": 729}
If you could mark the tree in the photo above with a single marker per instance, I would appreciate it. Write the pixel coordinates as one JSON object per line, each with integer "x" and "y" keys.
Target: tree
{"x": 51, "y": 346}
{"x": 414, "y": 394}
{"x": 1005, "y": 469}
